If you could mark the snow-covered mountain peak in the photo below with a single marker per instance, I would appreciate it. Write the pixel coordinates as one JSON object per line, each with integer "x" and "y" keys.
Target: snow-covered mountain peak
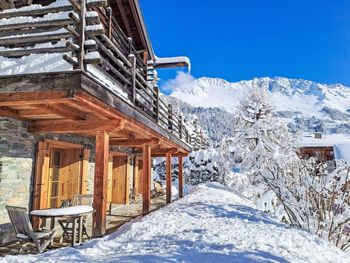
{"x": 294, "y": 95}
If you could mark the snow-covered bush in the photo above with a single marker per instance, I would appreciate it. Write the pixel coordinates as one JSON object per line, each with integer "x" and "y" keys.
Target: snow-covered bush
{"x": 319, "y": 202}
{"x": 199, "y": 167}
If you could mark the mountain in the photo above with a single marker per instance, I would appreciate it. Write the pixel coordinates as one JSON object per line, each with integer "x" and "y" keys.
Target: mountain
{"x": 304, "y": 105}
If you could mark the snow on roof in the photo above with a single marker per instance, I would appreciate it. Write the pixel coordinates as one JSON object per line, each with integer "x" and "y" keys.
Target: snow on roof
{"x": 172, "y": 61}
{"x": 339, "y": 142}
{"x": 328, "y": 140}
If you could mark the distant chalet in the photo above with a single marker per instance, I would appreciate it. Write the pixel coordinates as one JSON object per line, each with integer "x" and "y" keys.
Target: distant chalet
{"x": 326, "y": 148}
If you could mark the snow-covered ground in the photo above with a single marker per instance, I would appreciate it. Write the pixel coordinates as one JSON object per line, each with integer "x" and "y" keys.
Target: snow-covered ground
{"x": 211, "y": 224}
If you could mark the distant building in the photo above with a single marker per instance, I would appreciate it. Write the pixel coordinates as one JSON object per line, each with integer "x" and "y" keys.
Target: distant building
{"x": 326, "y": 148}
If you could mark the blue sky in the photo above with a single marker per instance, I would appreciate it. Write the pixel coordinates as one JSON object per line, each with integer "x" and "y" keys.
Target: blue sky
{"x": 243, "y": 39}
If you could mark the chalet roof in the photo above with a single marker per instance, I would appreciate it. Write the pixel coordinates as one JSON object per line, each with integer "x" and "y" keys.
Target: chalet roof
{"x": 328, "y": 140}
{"x": 129, "y": 16}
{"x": 339, "y": 142}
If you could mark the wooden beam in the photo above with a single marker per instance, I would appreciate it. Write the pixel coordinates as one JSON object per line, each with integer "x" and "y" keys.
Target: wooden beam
{"x": 168, "y": 177}
{"x": 95, "y": 106}
{"x": 134, "y": 142}
{"x": 124, "y": 17}
{"x": 146, "y": 180}
{"x": 30, "y": 98}
{"x": 181, "y": 177}
{"x": 100, "y": 183}
{"x": 165, "y": 151}
{"x": 10, "y": 113}
{"x": 59, "y": 109}
{"x": 58, "y": 126}
{"x": 162, "y": 152}
{"x": 63, "y": 111}
{"x": 138, "y": 23}
{"x": 173, "y": 155}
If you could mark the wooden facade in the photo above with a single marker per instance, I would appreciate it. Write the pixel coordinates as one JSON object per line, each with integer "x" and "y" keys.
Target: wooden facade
{"x": 76, "y": 102}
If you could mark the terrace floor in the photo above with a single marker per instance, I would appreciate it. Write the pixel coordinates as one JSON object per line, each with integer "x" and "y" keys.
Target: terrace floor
{"x": 120, "y": 215}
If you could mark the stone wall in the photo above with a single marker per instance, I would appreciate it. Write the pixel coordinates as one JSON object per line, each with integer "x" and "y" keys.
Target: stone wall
{"x": 17, "y": 163}
{"x": 17, "y": 167}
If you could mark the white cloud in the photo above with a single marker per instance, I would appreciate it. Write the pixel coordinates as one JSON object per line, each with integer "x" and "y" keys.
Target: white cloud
{"x": 182, "y": 79}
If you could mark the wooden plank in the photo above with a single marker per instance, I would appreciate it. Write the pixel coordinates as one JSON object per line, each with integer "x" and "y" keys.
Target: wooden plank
{"x": 138, "y": 175}
{"x": 168, "y": 177}
{"x": 59, "y": 109}
{"x": 40, "y": 180}
{"x": 58, "y": 126}
{"x": 119, "y": 180}
{"x": 63, "y": 145}
{"x": 44, "y": 24}
{"x": 181, "y": 177}
{"x": 10, "y": 113}
{"x": 100, "y": 183}
{"x": 64, "y": 111}
{"x": 110, "y": 180}
{"x": 134, "y": 142}
{"x": 37, "y": 12}
{"x": 124, "y": 17}
{"x": 85, "y": 171}
{"x": 146, "y": 180}
{"x": 92, "y": 104}
{"x": 30, "y": 98}
{"x": 27, "y": 52}
{"x": 34, "y": 39}
{"x": 128, "y": 174}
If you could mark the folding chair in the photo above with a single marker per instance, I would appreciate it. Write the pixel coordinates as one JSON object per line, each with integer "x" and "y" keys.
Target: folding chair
{"x": 67, "y": 223}
{"x": 24, "y": 230}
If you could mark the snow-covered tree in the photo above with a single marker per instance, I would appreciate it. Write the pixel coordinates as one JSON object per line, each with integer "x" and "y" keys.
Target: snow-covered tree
{"x": 311, "y": 198}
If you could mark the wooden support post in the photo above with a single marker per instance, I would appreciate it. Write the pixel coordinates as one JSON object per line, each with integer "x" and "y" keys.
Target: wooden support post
{"x": 81, "y": 32}
{"x": 100, "y": 183}
{"x": 132, "y": 60}
{"x": 181, "y": 177}
{"x": 156, "y": 89}
{"x": 168, "y": 177}
{"x": 170, "y": 118}
{"x": 146, "y": 181}
{"x": 180, "y": 126}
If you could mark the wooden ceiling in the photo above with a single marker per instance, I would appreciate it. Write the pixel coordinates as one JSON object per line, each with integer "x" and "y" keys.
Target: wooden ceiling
{"x": 58, "y": 112}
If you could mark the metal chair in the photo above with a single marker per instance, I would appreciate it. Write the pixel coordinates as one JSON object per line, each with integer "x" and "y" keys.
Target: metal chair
{"x": 24, "y": 230}
{"x": 67, "y": 223}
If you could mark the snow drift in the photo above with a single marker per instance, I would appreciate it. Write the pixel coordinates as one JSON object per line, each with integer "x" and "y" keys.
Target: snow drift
{"x": 210, "y": 224}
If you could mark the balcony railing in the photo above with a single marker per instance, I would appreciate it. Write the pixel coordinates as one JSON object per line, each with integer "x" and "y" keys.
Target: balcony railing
{"x": 90, "y": 39}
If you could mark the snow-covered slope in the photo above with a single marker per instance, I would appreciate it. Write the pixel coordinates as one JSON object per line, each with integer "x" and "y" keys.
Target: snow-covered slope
{"x": 212, "y": 224}
{"x": 292, "y": 95}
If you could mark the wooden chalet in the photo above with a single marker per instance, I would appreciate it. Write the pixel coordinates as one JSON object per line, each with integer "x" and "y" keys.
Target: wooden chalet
{"x": 80, "y": 107}
{"x": 325, "y": 148}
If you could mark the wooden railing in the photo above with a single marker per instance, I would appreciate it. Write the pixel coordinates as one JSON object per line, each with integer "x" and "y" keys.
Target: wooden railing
{"x": 91, "y": 37}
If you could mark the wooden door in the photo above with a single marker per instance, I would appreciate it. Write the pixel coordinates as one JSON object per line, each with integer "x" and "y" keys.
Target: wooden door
{"x": 64, "y": 175}
{"x": 120, "y": 187}
{"x": 71, "y": 173}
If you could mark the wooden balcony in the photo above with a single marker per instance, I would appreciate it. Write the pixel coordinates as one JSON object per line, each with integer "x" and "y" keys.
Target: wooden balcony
{"x": 101, "y": 67}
